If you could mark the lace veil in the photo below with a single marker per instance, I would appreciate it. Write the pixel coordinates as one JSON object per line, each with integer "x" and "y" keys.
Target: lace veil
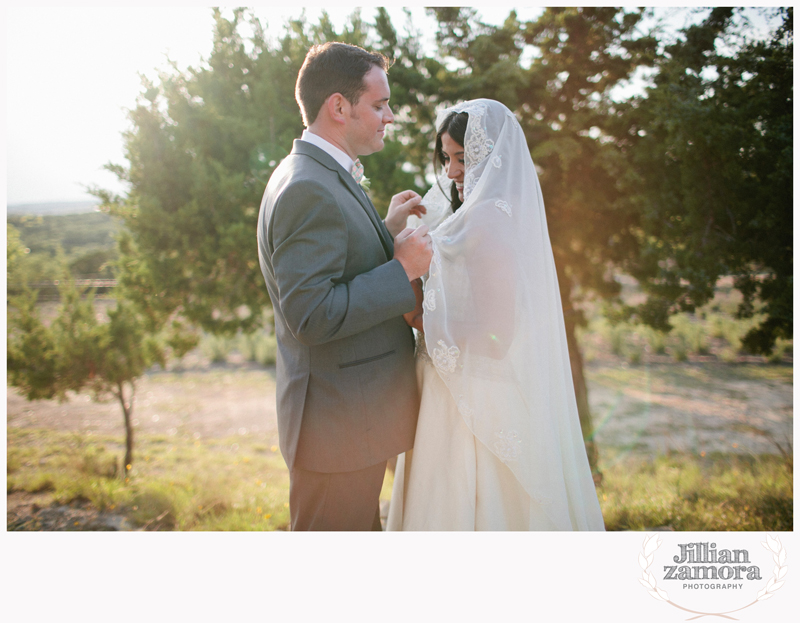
{"x": 493, "y": 322}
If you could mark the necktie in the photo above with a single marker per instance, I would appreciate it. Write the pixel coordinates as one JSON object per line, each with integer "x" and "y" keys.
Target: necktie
{"x": 357, "y": 171}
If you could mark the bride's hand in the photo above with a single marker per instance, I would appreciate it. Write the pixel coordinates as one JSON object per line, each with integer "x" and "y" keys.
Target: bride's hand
{"x": 401, "y": 207}
{"x": 414, "y": 318}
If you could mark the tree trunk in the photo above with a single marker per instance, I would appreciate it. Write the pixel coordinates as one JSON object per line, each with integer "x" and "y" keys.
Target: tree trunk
{"x": 127, "y": 410}
{"x": 578, "y": 379}
{"x": 581, "y": 394}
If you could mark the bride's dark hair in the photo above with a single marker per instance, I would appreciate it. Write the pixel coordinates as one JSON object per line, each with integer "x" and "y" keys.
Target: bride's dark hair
{"x": 455, "y": 124}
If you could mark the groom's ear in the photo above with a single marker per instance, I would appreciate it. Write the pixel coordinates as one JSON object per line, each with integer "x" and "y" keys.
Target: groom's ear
{"x": 337, "y": 107}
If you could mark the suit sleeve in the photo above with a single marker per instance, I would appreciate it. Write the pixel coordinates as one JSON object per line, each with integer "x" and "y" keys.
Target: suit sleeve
{"x": 310, "y": 241}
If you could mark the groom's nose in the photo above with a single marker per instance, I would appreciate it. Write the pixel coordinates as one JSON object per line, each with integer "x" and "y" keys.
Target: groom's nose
{"x": 388, "y": 116}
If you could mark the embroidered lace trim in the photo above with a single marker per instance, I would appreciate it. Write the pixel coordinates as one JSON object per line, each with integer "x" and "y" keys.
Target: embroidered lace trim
{"x": 429, "y": 300}
{"x": 508, "y": 445}
{"x": 477, "y": 146}
{"x": 504, "y": 206}
{"x": 464, "y": 408}
{"x": 444, "y": 358}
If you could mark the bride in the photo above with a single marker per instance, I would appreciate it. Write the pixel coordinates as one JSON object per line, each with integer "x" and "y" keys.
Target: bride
{"x": 498, "y": 443}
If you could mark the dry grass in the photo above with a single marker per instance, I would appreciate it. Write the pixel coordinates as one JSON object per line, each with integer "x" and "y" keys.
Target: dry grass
{"x": 224, "y": 485}
{"x": 177, "y": 483}
{"x": 685, "y": 492}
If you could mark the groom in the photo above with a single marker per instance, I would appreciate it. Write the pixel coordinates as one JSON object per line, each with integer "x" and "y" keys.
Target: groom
{"x": 347, "y": 397}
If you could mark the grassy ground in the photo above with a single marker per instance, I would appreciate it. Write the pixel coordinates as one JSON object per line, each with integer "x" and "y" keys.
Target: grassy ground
{"x": 686, "y": 492}
{"x": 176, "y": 483}
{"x": 239, "y": 484}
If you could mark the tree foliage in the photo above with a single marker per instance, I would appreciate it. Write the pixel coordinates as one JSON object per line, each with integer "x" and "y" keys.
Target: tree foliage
{"x": 203, "y": 145}
{"x": 80, "y": 350}
{"x": 86, "y": 242}
{"x": 710, "y": 145}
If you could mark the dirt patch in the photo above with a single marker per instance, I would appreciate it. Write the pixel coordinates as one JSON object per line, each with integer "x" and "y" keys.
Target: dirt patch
{"x": 214, "y": 401}
{"x": 698, "y": 408}
{"x": 203, "y": 401}
{"x": 645, "y": 409}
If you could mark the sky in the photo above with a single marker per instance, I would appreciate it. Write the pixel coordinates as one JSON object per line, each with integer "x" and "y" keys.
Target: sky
{"x": 73, "y": 73}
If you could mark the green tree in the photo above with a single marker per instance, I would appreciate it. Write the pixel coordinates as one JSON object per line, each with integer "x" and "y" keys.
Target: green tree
{"x": 416, "y": 80}
{"x": 203, "y": 145}
{"x": 15, "y": 253}
{"x": 711, "y": 148}
{"x": 79, "y": 350}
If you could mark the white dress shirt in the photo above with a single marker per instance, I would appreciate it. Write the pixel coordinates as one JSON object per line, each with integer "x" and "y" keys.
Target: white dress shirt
{"x": 330, "y": 149}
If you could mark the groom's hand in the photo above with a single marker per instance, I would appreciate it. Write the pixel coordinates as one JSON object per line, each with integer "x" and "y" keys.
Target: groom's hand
{"x": 400, "y": 207}
{"x": 412, "y": 248}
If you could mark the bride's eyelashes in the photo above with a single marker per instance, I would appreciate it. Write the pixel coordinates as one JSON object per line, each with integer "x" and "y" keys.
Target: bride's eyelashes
{"x": 447, "y": 160}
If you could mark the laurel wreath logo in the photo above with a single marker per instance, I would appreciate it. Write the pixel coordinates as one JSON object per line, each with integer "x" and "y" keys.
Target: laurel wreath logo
{"x": 648, "y": 580}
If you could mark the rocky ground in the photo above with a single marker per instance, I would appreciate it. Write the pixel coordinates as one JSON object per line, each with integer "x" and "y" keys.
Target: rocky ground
{"x": 25, "y": 512}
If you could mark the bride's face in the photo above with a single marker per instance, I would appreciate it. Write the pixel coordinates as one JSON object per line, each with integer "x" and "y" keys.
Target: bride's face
{"x": 454, "y": 162}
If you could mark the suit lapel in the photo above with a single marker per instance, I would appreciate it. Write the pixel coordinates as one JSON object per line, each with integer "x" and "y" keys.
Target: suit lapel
{"x": 366, "y": 203}
{"x": 324, "y": 159}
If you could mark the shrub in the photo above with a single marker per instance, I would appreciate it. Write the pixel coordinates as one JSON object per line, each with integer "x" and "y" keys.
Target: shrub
{"x": 781, "y": 347}
{"x": 248, "y": 346}
{"x": 635, "y": 354}
{"x": 728, "y": 355}
{"x": 96, "y": 462}
{"x": 657, "y": 340}
{"x": 616, "y": 336}
{"x": 715, "y": 325}
{"x": 679, "y": 352}
{"x": 38, "y": 483}
{"x": 216, "y": 348}
{"x": 267, "y": 350}
{"x": 154, "y": 508}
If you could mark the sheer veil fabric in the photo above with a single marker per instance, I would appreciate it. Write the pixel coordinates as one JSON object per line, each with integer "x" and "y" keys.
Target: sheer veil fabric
{"x": 493, "y": 322}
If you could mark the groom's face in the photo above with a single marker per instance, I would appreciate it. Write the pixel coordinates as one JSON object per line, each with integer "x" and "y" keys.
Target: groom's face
{"x": 367, "y": 119}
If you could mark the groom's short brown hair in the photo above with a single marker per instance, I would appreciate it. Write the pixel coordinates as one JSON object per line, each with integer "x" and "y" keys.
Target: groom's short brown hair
{"x": 333, "y": 68}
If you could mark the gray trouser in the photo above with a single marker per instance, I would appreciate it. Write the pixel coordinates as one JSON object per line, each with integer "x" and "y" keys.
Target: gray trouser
{"x": 337, "y": 501}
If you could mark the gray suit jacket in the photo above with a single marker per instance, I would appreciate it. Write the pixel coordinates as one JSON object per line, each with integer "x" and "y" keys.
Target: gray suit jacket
{"x": 346, "y": 387}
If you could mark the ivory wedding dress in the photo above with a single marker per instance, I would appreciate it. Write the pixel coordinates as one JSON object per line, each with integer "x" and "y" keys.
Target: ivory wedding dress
{"x": 498, "y": 443}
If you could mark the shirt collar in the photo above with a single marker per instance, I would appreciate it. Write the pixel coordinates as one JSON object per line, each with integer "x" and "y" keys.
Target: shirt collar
{"x": 334, "y": 152}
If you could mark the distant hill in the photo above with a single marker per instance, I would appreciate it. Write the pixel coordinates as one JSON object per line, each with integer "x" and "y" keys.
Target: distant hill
{"x": 52, "y": 208}
{"x": 87, "y": 241}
